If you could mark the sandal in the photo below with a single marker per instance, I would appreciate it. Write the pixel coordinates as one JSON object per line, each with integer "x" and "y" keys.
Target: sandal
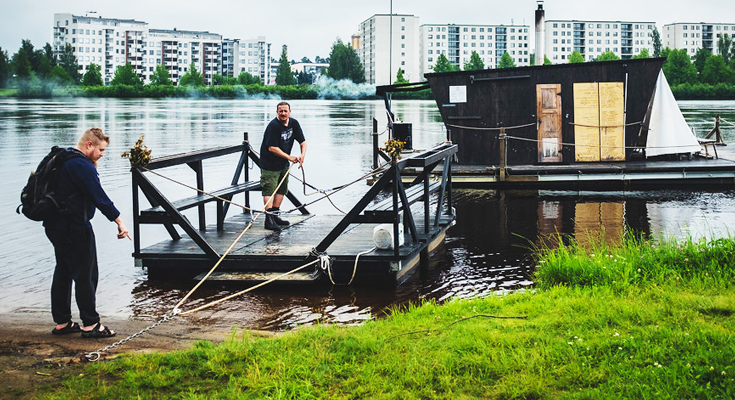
{"x": 98, "y": 331}
{"x": 71, "y": 327}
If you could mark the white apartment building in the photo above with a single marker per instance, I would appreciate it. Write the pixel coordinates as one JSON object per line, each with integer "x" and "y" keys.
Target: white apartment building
{"x": 592, "y": 38}
{"x": 457, "y": 42}
{"x": 177, "y": 50}
{"x": 251, "y": 56}
{"x": 111, "y": 42}
{"x": 694, "y": 36}
{"x": 389, "y": 42}
{"x": 107, "y": 42}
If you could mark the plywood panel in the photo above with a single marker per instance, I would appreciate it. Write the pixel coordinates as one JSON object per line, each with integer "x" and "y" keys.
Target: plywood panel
{"x": 587, "y": 120}
{"x": 548, "y": 109}
{"x": 612, "y": 119}
{"x": 599, "y": 116}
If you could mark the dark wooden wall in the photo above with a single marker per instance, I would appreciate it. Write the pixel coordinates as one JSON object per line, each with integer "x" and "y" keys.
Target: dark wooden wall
{"x": 507, "y": 97}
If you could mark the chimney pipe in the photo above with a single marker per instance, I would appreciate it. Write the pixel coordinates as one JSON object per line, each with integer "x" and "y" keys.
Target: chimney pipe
{"x": 540, "y": 32}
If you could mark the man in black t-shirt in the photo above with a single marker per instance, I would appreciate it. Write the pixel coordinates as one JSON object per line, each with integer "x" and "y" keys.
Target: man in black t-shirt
{"x": 275, "y": 154}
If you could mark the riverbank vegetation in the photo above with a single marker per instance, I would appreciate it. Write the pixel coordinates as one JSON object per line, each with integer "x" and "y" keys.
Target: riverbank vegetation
{"x": 39, "y": 73}
{"x": 643, "y": 319}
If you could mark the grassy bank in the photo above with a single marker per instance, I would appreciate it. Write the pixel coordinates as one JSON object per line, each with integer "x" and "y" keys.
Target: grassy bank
{"x": 639, "y": 320}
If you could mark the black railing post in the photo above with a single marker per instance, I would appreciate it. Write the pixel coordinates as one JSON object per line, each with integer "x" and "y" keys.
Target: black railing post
{"x": 375, "y": 143}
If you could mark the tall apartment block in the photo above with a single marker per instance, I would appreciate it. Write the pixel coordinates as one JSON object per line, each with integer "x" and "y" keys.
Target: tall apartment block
{"x": 111, "y": 42}
{"x": 251, "y": 56}
{"x": 457, "y": 42}
{"x": 389, "y": 42}
{"x": 592, "y": 38}
{"x": 693, "y": 36}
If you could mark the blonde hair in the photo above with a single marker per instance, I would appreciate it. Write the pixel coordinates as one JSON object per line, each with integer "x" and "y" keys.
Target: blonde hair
{"x": 93, "y": 135}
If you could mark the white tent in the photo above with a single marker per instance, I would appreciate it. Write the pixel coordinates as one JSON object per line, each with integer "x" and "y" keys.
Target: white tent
{"x": 668, "y": 132}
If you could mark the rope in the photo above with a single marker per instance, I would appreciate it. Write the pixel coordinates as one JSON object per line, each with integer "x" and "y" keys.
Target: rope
{"x": 595, "y": 146}
{"x": 249, "y": 289}
{"x": 606, "y": 126}
{"x": 478, "y": 128}
{"x": 726, "y": 121}
{"x": 265, "y": 206}
{"x": 354, "y": 268}
{"x": 96, "y": 355}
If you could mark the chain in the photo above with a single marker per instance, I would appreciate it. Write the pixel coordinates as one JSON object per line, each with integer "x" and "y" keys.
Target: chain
{"x": 96, "y": 355}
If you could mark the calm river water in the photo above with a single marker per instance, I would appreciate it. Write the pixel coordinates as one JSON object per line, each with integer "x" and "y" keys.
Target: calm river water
{"x": 486, "y": 252}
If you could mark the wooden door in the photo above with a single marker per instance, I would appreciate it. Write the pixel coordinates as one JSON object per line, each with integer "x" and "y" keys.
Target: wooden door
{"x": 548, "y": 109}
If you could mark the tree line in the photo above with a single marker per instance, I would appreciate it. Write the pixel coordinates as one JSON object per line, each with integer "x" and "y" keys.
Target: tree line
{"x": 38, "y": 72}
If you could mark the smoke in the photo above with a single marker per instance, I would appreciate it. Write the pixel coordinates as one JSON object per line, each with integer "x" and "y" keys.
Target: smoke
{"x": 328, "y": 88}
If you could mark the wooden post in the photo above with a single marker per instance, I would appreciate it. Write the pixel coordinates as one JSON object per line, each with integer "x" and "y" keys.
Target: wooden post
{"x": 716, "y": 129}
{"x": 245, "y": 170}
{"x": 503, "y": 152}
{"x": 375, "y": 143}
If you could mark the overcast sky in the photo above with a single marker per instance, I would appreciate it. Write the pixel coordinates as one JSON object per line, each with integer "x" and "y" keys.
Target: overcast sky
{"x": 309, "y": 27}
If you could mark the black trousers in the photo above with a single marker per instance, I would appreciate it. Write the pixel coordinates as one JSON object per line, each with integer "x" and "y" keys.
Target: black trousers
{"x": 76, "y": 262}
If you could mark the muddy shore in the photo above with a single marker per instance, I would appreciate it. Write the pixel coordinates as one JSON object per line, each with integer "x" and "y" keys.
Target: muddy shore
{"x": 31, "y": 357}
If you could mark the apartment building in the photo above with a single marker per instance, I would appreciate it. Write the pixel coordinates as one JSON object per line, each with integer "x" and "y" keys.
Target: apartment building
{"x": 111, "y": 42}
{"x": 107, "y": 42}
{"x": 592, "y": 38}
{"x": 389, "y": 42}
{"x": 457, "y": 42}
{"x": 177, "y": 49}
{"x": 693, "y": 36}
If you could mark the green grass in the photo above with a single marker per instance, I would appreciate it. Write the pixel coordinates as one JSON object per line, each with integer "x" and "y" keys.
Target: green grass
{"x": 587, "y": 334}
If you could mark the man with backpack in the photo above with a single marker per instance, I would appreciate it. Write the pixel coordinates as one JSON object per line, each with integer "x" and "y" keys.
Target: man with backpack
{"x": 70, "y": 232}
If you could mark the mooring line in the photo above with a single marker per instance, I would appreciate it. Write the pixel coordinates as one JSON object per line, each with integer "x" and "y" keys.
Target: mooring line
{"x": 96, "y": 355}
{"x": 252, "y": 220}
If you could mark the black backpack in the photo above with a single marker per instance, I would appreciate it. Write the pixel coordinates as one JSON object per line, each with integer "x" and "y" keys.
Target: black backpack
{"x": 39, "y": 201}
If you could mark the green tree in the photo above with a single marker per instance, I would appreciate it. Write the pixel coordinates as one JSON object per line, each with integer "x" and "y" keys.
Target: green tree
{"x": 44, "y": 67}
{"x": 724, "y": 43}
{"x": 344, "y": 63}
{"x": 475, "y": 62}
{"x": 192, "y": 77}
{"x": 21, "y": 64}
{"x": 58, "y": 74}
{"x": 4, "y": 68}
{"x": 443, "y": 64}
{"x": 218, "y": 80}
{"x": 284, "y": 76}
{"x": 506, "y": 61}
{"x": 716, "y": 70}
{"x": 246, "y": 78}
{"x": 607, "y": 56}
{"x": 643, "y": 54}
{"x": 678, "y": 68}
{"x": 305, "y": 60}
{"x": 700, "y": 58}
{"x": 68, "y": 61}
{"x": 161, "y": 77}
{"x": 125, "y": 75}
{"x": 576, "y": 57}
{"x": 304, "y": 78}
{"x": 656, "y": 38}
{"x": 34, "y": 56}
{"x": 93, "y": 76}
{"x": 48, "y": 51}
{"x": 546, "y": 60}
{"x": 399, "y": 77}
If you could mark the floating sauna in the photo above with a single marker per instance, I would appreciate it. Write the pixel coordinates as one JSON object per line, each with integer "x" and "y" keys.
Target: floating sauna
{"x": 603, "y": 125}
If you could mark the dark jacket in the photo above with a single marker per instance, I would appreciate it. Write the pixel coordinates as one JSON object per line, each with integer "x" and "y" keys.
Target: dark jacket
{"x": 78, "y": 182}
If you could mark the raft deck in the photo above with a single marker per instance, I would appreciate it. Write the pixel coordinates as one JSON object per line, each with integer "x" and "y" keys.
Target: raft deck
{"x": 416, "y": 216}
